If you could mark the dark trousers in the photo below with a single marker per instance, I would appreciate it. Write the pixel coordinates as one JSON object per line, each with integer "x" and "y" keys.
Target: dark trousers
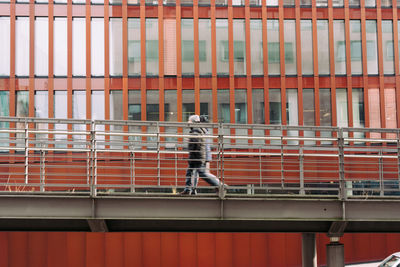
{"x": 200, "y": 169}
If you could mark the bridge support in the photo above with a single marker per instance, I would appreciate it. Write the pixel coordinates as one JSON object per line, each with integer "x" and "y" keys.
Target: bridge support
{"x": 309, "y": 250}
{"x": 335, "y": 253}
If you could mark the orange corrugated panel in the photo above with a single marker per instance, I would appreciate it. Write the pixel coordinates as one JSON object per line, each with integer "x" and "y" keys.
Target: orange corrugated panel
{"x": 223, "y": 249}
{"x": 241, "y": 249}
{"x": 18, "y": 249}
{"x": 114, "y": 250}
{"x": 206, "y": 249}
{"x": 133, "y": 250}
{"x": 258, "y": 249}
{"x": 37, "y": 249}
{"x": 169, "y": 249}
{"x": 187, "y": 249}
{"x": 76, "y": 249}
{"x": 151, "y": 249}
{"x": 276, "y": 254}
{"x": 292, "y": 249}
{"x": 4, "y": 248}
{"x": 57, "y": 249}
{"x": 95, "y": 250}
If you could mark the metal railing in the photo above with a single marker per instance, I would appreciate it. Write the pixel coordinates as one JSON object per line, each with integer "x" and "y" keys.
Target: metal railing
{"x": 65, "y": 156}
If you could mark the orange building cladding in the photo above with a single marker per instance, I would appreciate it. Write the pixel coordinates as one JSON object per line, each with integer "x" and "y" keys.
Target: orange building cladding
{"x": 78, "y": 249}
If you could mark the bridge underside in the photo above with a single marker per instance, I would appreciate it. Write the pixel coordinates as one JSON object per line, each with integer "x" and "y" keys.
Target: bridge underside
{"x": 197, "y": 214}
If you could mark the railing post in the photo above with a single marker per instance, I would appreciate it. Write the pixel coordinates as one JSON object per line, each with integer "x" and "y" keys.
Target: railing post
{"x": 26, "y": 141}
{"x": 132, "y": 161}
{"x": 221, "y": 157}
{"x": 398, "y": 158}
{"x": 342, "y": 184}
{"x": 380, "y": 162}
{"x": 93, "y": 161}
{"x": 301, "y": 156}
{"x": 42, "y": 170}
{"x": 158, "y": 156}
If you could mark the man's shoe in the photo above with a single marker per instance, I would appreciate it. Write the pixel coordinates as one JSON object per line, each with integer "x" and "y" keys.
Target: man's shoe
{"x": 186, "y": 192}
{"x": 194, "y": 192}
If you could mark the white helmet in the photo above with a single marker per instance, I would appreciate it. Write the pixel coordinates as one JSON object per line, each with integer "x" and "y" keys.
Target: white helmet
{"x": 194, "y": 118}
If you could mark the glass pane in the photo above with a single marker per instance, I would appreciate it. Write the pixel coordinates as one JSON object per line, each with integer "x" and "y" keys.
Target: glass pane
{"x": 151, "y": 46}
{"x": 372, "y": 47}
{"x": 255, "y": 2}
{"x": 205, "y": 46}
{"x": 116, "y": 104}
{"x": 354, "y": 3}
{"x": 305, "y": 2}
{"x": 22, "y": 46}
{"x": 290, "y": 47}
{"x": 238, "y": 2}
{"x": 340, "y": 47}
{"x": 187, "y": 47}
{"x": 221, "y": 2}
{"x": 386, "y": 3}
{"x": 370, "y": 3}
{"x": 79, "y": 105}
{"x": 4, "y": 112}
{"x": 151, "y": 2}
{"x": 289, "y": 2}
{"x": 41, "y": 46}
{"x": 152, "y": 105}
{"x": 134, "y": 105}
{"x": 274, "y": 66}
{"x": 79, "y": 47}
{"x": 241, "y": 106}
{"x": 170, "y": 105}
{"x": 134, "y": 51}
{"x": 5, "y": 46}
{"x": 22, "y": 104}
{"x": 41, "y": 104}
{"x": 224, "y": 114}
{"x": 206, "y": 104}
{"x": 78, "y": 1}
{"x": 337, "y": 3}
{"x": 239, "y": 46}
{"x": 325, "y": 112}
{"x": 116, "y": 47}
{"x": 188, "y": 105}
{"x": 341, "y": 107}
{"x": 169, "y": 46}
{"x": 257, "y": 54}
{"x": 204, "y": 2}
{"x": 323, "y": 47}
{"x": 60, "y": 47}
{"x": 322, "y": 3}
{"x": 390, "y": 108}
{"x": 292, "y": 112}
{"x": 355, "y": 47}
{"x": 97, "y": 46}
{"x": 308, "y": 107}
{"x": 374, "y": 109}
{"x": 388, "y": 49}
{"x": 275, "y": 109}
{"x": 272, "y": 2}
{"x": 306, "y": 47}
{"x": 222, "y": 47}
{"x": 60, "y": 104}
{"x": 97, "y": 105}
{"x": 258, "y": 106}
{"x": 186, "y": 2}
{"x": 97, "y": 1}
{"x": 358, "y": 109}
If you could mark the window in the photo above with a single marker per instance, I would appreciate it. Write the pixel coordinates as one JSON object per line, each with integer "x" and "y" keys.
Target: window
{"x": 151, "y": 46}
{"x": 170, "y": 105}
{"x": 390, "y": 108}
{"x": 134, "y": 50}
{"x": 257, "y": 53}
{"x": 290, "y": 47}
{"x": 388, "y": 50}
{"x": 41, "y": 46}
{"x": 273, "y": 47}
{"x": 188, "y": 47}
{"x": 370, "y": 3}
{"x": 151, "y": 2}
{"x": 275, "y": 109}
{"x": 258, "y": 106}
{"x": 239, "y": 46}
{"x": 79, "y": 105}
{"x": 307, "y": 64}
{"x": 386, "y": 3}
{"x": 340, "y": 47}
{"x": 41, "y": 104}
{"x": 206, "y": 103}
{"x": 97, "y": 46}
{"x": 325, "y": 112}
{"x": 152, "y": 105}
{"x": 222, "y": 47}
{"x": 205, "y": 46}
{"x": 4, "y": 112}
{"x": 355, "y": 47}
{"x": 323, "y": 47}
{"x": 97, "y": 106}
{"x": 60, "y": 104}
{"x": 5, "y": 46}
{"x": 116, "y": 47}
{"x": 308, "y": 113}
{"x": 322, "y": 3}
{"x": 188, "y": 105}
{"x": 224, "y": 114}
{"x": 134, "y": 105}
{"x": 372, "y": 48}
{"x": 341, "y": 107}
{"x": 22, "y": 46}
{"x": 79, "y": 47}
{"x": 60, "y": 47}
{"x": 337, "y": 3}
{"x": 358, "y": 110}
{"x": 169, "y": 46}
{"x": 22, "y": 104}
{"x": 116, "y": 105}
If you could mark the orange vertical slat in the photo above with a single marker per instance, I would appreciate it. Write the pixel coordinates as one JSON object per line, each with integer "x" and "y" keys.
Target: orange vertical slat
{"x": 76, "y": 249}
{"x": 161, "y": 58}
{"x": 88, "y": 61}
{"x": 57, "y": 249}
{"x": 143, "y": 58}
{"x": 223, "y": 249}
{"x": 12, "y": 58}
{"x": 125, "y": 94}
{"x": 298, "y": 62}
{"x": 332, "y": 65}
{"x": 316, "y": 67}
{"x": 37, "y": 249}
{"x": 32, "y": 58}
{"x": 169, "y": 255}
{"x": 282, "y": 60}
{"x": 380, "y": 66}
{"x": 69, "y": 71}
{"x": 196, "y": 57}
{"x": 114, "y": 250}
{"x": 241, "y": 254}
{"x": 248, "y": 63}
{"x": 178, "y": 61}
{"x": 18, "y": 246}
{"x": 107, "y": 60}
{"x": 396, "y": 60}
{"x": 187, "y": 249}
{"x": 231, "y": 63}
{"x": 214, "y": 63}
{"x": 207, "y": 250}
{"x": 95, "y": 250}
{"x": 50, "y": 84}
{"x": 265, "y": 57}
{"x": 4, "y": 249}
{"x": 133, "y": 249}
{"x": 348, "y": 63}
{"x": 151, "y": 249}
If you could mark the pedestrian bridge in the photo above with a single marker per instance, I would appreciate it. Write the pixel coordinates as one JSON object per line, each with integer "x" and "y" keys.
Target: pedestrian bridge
{"x": 82, "y": 175}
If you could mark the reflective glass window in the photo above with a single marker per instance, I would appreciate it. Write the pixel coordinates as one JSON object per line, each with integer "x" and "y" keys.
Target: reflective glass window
{"x": 341, "y": 107}
{"x": 372, "y": 47}
{"x": 290, "y": 47}
{"x": 221, "y": 2}
{"x": 374, "y": 110}
{"x": 321, "y": 3}
{"x": 241, "y": 106}
{"x": 97, "y": 2}
{"x": 97, "y": 46}
{"x": 4, "y": 112}
{"x": 60, "y": 47}
{"x": 169, "y": 46}
{"x": 239, "y": 46}
{"x": 275, "y": 108}
{"x": 258, "y": 106}
{"x": 325, "y": 111}
{"x": 116, "y": 47}
{"x": 60, "y": 104}
{"x": 222, "y": 47}
{"x": 152, "y": 105}
{"x": 41, "y": 104}
{"x": 134, "y": 105}
{"x": 206, "y": 105}
{"x": 188, "y": 105}
{"x": 134, "y": 47}
{"x": 79, "y": 47}
{"x": 308, "y": 112}
{"x": 116, "y": 105}
{"x": 204, "y": 2}
{"x": 188, "y": 47}
{"x": 355, "y": 47}
{"x": 170, "y": 105}
{"x": 22, "y": 46}
{"x": 41, "y": 46}
{"x": 272, "y": 2}
{"x": 5, "y": 46}
{"x": 354, "y": 3}
{"x": 151, "y": 2}
{"x": 152, "y": 46}
{"x": 255, "y": 2}
{"x": 274, "y": 62}
{"x": 370, "y": 3}
{"x": 307, "y": 64}
{"x": 323, "y": 47}
{"x": 22, "y": 104}
{"x": 305, "y": 3}
{"x": 97, "y": 105}
{"x": 224, "y": 114}
{"x": 386, "y": 3}
{"x": 337, "y": 3}
{"x": 205, "y": 47}
{"x": 257, "y": 53}
{"x": 390, "y": 108}
{"x": 358, "y": 107}
{"x": 292, "y": 113}
{"x": 339, "y": 47}
{"x": 79, "y": 104}
{"x": 387, "y": 45}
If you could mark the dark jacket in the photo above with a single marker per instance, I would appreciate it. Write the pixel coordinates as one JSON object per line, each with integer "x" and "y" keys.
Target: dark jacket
{"x": 196, "y": 147}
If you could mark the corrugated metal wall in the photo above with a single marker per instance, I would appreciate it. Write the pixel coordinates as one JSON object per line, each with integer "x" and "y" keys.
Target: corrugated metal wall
{"x": 58, "y": 249}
